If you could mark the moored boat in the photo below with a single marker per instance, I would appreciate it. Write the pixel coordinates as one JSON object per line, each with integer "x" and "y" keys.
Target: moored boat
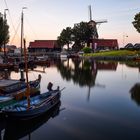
{"x": 32, "y": 106}
{"x": 19, "y": 129}
{"x": 64, "y": 54}
{"x": 39, "y": 104}
{"x": 17, "y": 88}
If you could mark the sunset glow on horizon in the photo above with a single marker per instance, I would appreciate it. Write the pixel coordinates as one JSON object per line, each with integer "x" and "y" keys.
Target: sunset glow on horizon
{"x": 45, "y": 19}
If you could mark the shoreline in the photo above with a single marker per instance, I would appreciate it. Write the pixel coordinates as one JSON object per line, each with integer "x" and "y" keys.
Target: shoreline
{"x": 118, "y": 55}
{"x": 115, "y": 58}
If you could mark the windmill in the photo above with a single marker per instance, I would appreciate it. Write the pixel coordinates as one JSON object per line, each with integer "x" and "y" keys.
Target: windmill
{"x": 94, "y": 23}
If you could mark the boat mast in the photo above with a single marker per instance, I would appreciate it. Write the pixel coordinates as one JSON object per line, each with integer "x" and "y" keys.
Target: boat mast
{"x": 26, "y": 71}
{"x": 22, "y": 34}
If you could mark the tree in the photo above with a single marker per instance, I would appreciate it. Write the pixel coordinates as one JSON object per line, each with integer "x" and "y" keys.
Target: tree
{"x": 65, "y": 37}
{"x": 136, "y": 22}
{"x": 82, "y": 32}
{"x": 4, "y": 31}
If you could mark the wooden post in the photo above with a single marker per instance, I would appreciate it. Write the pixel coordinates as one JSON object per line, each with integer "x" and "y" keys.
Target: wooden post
{"x": 26, "y": 71}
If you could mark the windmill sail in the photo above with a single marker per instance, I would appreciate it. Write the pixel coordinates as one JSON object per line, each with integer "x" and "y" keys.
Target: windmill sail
{"x": 90, "y": 13}
{"x": 94, "y": 23}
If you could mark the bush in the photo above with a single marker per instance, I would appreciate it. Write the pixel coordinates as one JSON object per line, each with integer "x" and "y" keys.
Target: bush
{"x": 87, "y": 50}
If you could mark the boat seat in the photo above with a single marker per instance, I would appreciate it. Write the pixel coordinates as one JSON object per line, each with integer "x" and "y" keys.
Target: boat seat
{"x": 19, "y": 105}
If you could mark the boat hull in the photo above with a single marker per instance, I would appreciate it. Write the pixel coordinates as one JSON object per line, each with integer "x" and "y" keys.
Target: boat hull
{"x": 13, "y": 86}
{"x": 19, "y": 129}
{"x": 43, "y": 105}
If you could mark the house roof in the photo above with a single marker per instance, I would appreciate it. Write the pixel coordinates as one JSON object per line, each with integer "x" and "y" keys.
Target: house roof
{"x": 106, "y": 42}
{"x": 43, "y": 44}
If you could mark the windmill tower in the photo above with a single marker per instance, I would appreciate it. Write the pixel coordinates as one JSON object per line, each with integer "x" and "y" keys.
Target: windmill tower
{"x": 94, "y": 23}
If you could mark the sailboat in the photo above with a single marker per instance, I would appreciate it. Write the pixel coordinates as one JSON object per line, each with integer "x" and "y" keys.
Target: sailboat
{"x": 32, "y": 106}
{"x": 16, "y": 88}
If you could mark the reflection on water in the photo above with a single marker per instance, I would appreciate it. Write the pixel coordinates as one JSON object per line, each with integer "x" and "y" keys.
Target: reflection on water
{"x": 15, "y": 130}
{"x": 101, "y": 100}
{"x": 83, "y": 72}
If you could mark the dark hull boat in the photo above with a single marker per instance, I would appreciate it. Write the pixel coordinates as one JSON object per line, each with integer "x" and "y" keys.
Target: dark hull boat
{"x": 33, "y": 106}
{"x": 39, "y": 104}
{"x": 8, "y": 86}
{"x": 18, "y": 129}
{"x": 34, "y": 88}
{"x": 15, "y": 89}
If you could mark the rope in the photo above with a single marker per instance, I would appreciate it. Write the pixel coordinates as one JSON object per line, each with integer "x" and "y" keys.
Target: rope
{"x": 31, "y": 27}
{"x": 15, "y": 33}
{"x": 11, "y": 20}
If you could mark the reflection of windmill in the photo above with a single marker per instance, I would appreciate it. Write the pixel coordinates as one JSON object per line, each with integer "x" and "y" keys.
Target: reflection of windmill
{"x": 96, "y": 85}
{"x": 94, "y": 23}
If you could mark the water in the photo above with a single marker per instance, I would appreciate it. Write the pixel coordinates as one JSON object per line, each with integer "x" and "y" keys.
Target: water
{"x": 97, "y": 102}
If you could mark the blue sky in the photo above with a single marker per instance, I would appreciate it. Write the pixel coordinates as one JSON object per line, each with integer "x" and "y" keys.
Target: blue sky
{"x": 45, "y": 19}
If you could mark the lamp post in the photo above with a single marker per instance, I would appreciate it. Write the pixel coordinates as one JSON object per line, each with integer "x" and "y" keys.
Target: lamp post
{"x": 124, "y": 36}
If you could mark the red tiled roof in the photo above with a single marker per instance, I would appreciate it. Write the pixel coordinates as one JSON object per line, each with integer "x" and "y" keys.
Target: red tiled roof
{"x": 106, "y": 42}
{"x": 43, "y": 44}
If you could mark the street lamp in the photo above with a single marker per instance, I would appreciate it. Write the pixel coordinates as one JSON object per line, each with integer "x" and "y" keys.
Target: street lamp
{"x": 124, "y": 36}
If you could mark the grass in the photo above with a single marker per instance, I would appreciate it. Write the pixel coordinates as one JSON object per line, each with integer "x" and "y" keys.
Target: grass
{"x": 114, "y": 53}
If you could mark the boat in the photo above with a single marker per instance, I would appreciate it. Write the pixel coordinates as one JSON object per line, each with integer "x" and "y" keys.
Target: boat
{"x": 17, "y": 88}
{"x": 8, "y": 86}
{"x": 64, "y": 54}
{"x": 8, "y": 66}
{"x": 32, "y": 106}
{"x": 6, "y": 100}
{"x": 42, "y": 61}
{"x": 39, "y": 104}
{"x": 24, "y": 128}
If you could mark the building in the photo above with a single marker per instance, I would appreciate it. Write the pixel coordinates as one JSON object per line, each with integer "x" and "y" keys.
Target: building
{"x": 43, "y": 46}
{"x": 105, "y": 44}
{"x": 8, "y": 48}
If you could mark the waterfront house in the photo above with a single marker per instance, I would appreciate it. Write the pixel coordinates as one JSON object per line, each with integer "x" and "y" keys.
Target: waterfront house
{"x": 105, "y": 44}
{"x": 43, "y": 46}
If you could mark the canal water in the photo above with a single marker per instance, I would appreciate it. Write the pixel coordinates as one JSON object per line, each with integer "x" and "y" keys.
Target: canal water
{"x": 101, "y": 100}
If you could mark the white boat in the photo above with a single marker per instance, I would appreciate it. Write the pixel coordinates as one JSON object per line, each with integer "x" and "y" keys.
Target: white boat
{"x": 63, "y": 54}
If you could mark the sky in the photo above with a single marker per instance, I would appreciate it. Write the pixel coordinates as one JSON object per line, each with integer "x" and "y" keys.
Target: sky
{"x": 45, "y": 19}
